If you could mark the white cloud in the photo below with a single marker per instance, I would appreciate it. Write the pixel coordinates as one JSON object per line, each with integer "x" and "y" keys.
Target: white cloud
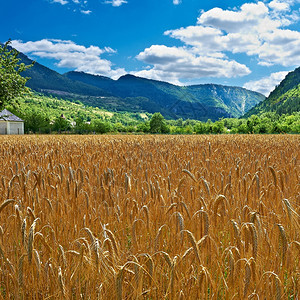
{"x": 258, "y": 30}
{"x": 280, "y": 5}
{"x": 253, "y": 30}
{"x": 173, "y": 63}
{"x": 86, "y": 12}
{"x": 266, "y": 84}
{"x": 176, "y": 2}
{"x": 109, "y": 50}
{"x": 70, "y": 55}
{"x": 205, "y": 38}
{"x": 116, "y": 2}
{"x": 234, "y": 21}
{"x": 62, "y": 2}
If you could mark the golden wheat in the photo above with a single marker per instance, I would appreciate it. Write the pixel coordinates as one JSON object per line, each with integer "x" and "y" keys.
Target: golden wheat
{"x": 149, "y": 217}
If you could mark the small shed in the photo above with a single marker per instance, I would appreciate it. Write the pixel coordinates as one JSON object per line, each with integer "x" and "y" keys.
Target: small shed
{"x": 10, "y": 124}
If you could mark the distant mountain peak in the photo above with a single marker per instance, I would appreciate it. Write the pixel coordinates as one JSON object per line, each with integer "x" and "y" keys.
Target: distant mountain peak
{"x": 78, "y": 73}
{"x": 128, "y": 76}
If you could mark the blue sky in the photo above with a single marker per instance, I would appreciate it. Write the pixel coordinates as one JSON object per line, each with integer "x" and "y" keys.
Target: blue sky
{"x": 252, "y": 44}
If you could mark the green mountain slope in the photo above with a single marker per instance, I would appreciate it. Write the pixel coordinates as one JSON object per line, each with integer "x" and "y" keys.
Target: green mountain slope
{"x": 135, "y": 94}
{"x": 235, "y": 100}
{"x": 200, "y": 102}
{"x": 54, "y": 107}
{"x": 285, "y": 99}
{"x": 46, "y": 80}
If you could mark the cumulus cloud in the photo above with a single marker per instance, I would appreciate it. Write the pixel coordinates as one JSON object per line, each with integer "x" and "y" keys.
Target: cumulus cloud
{"x": 255, "y": 29}
{"x": 258, "y": 30}
{"x": 173, "y": 63}
{"x": 86, "y": 12}
{"x": 234, "y": 21}
{"x": 279, "y": 5}
{"x": 176, "y": 2}
{"x": 70, "y": 55}
{"x": 266, "y": 84}
{"x": 116, "y": 2}
{"x": 62, "y": 2}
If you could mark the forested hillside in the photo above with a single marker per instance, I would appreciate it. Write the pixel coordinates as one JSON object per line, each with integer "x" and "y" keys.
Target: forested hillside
{"x": 201, "y": 102}
{"x": 285, "y": 99}
{"x": 47, "y": 114}
{"x": 141, "y": 95}
{"x": 43, "y": 79}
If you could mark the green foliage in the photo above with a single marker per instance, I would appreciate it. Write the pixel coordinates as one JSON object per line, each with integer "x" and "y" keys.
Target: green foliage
{"x": 197, "y": 102}
{"x": 143, "y": 127}
{"x": 61, "y": 124}
{"x": 39, "y": 111}
{"x": 202, "y": 128}
{"x": 291, "y": 81}
{"x": 36, "y": 122}
{"x": 101, "y": 127}
{"x": 158, "y": 124}
{"x": 43, "y": 115}
{"x": 81, "y": 127}
{"x": 285, "y": 99}
{"x": 218, "y": 127}
{"x": 12, "y": 84}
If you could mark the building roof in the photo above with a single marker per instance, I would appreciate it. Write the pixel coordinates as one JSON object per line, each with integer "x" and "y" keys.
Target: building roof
{"x": 6, "y": 115}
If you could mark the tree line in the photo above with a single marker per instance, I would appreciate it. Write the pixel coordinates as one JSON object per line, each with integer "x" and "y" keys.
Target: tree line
{"x": 267, "y": 123}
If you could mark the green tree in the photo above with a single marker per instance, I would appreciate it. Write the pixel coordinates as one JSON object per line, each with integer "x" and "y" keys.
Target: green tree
{"x": 158, "y": 124}
{"x": 101, "y": 127}
{"x": 252, "y": 123}
{"x": 202, "y": 127}
{"x": 12, "y": 84}
{"x": 143, "y": 127}
{"x": 81, "y": 126}
{"x": 36, "y": 122}
{"x": 242, "y": 128}
{"x": 61, "y": 124}
{"x": 119, "y": 127}
{"x": 218, "y": 127}
{"x": 188, "y": 129}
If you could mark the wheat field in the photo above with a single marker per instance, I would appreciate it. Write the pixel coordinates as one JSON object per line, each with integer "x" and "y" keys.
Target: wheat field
{"x": 150, "y": 217}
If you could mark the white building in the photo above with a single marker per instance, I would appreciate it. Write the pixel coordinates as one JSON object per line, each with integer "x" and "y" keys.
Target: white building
{"x": 10, "y": 124}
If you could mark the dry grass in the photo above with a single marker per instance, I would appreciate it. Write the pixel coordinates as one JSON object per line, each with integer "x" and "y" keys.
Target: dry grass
{"x": 149, "y": 217}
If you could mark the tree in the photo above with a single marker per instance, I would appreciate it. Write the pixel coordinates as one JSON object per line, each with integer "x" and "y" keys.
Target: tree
{"x": 81, "y": 126}
{"x": 101, "y": 127}
{"x": 12, "y": 84}
{"x": 61, "y": 124}
{"x": 158, "y": 124}
{"x": 253, "y": 122}
{"x": 36, "y": 121}
{"x": 218, "y": 127}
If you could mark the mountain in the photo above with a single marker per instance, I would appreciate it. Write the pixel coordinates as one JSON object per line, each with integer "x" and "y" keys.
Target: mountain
{"x": 136, "y": 94}
{"x": 202, "y": 102}
{"x": 284, "y": 99}
{"x": 235, "y": 100}
{"x": 44, "y": 79}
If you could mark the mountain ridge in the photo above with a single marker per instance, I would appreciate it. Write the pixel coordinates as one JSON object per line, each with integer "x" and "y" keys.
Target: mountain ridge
{"x": 44, "y": 78}
{"x": 284, "y": 99}
{"x": 133, "y": 93}
{"x": 195, "y": 101}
